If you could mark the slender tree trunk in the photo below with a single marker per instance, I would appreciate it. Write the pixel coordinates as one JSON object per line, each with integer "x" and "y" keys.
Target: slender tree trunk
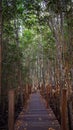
{"x": 69, "y": 57}
{"x": 0, "y": 45}
{"x": 16, "y": 31}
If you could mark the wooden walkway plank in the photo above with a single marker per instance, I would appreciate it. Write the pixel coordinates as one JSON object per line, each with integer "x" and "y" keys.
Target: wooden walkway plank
{"x": 37, "y": 117}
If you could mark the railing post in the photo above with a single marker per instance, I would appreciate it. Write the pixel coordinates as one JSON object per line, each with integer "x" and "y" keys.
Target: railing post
{"x": 64, "y": 116}
{"x": 11, "y": 110}
{"x": 47, "y": 92}
{"x": 27, "y": 89}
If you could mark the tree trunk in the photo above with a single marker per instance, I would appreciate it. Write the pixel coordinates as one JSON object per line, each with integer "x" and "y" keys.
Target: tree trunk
{"x": 0, "y": 45}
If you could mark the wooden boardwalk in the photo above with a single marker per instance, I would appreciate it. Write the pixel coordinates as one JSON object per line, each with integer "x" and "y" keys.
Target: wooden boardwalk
{"x": 36, "y": 116}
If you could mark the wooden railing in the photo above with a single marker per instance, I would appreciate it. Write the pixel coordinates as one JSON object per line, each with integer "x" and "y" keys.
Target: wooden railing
{"x": 61, "y": 106}
{"x": 14, "y": 101}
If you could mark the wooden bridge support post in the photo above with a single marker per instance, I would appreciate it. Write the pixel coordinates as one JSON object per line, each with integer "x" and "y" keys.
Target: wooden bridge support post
{"x": 47, "y": 92}
{"x": 27, "y": 90}
{"x": 64, "y": 116}
{"x": 42, "y": 90}
{"x": 11, "y": 110}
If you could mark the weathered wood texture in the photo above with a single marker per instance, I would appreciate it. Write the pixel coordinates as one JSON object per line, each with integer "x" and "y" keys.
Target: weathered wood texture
{"x": 11, "y": 110}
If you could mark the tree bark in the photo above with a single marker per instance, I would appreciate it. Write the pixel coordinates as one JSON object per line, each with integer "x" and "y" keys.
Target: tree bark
{"x": 0, "y": 45}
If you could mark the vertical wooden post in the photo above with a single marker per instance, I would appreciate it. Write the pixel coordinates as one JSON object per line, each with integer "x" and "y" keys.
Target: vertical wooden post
{"x": 47, "y": 92}
{"x": 42, "y": 92}
{"x": 26, "y": 92}
{"x": 11, "y": 110}
{"x": 64, "y": 116}
{"x": 27, "y": 88}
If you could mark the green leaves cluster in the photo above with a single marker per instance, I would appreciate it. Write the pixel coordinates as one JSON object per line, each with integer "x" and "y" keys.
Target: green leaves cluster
{"x": 27, "y": 32}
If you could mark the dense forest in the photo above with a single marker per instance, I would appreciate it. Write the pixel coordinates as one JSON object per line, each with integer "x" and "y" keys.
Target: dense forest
{"x": 36, "y": 45}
